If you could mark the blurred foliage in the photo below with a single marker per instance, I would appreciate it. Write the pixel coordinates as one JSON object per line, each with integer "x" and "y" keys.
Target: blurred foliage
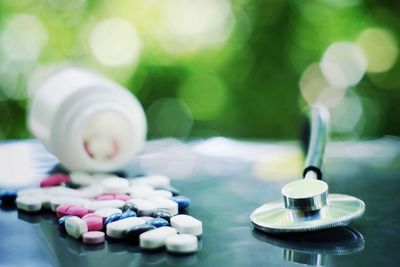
{"x": 202, "y": 68}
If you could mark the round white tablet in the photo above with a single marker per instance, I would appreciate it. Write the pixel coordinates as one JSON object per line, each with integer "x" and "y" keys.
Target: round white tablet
{"x": 29, "y": 203}
{"x": 186, "y": 224}
{"x": 115, "y": 185}
{"x": 164, "y": 203}
{"x": 182, "y": 243}
{"x": 116, "y": 229}
{"x": 156, "y": 238}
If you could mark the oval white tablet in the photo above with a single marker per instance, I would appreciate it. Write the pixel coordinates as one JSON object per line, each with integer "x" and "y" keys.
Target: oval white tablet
{"x": 29, "y": 203}
{"x": 182, "y": 243}
{"x": 140, "y": 191}
{"x": 115, "y": 185}
{"x": 156, "y": 238}
{"x": 60, "y": 191}
{"x": 152, "y": 180}
{"x": 92, "y": 191}
{"x": 75, "y": 226}
{"x": 165, "y": 203}
{"x": 145, "y": 207}
{"x": 107, "y": 212}
{"x": 160, "y": 193}
{"x": 116, "y": 229}
{"x": 96, "y": 205}
{"x": 186, "y": 224}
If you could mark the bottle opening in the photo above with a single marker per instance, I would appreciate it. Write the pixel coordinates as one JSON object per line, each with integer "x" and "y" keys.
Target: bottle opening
{"x": 105, "y": 136}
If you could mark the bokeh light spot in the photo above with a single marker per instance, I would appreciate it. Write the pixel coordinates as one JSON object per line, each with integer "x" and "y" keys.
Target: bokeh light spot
{"x": 23, "y": 38}
{"x": 115, "y": 43}
{"x": 347, "y": 114}
{"x": 205, "y": 95}
{"x": 380, "y": 48}
{"x": 66, "y": 5}
{"x": 343, "y": 64}
{"x": 169, "y": 117}
{"x": 194, "y": 24}
{"x": 316, "y": 90}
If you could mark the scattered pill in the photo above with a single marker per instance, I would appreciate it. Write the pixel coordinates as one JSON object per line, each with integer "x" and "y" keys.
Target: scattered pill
{"x": 164, "y": 214}
{"x": 116, "y": 229}
{"x": 140, "y": 191}
{"x": 173, "y": 190}
{"x": 54, "y": 180}
{"x": 129, "y": 206}
{"x": 146, "y": 218}
{"x": 145, "y": 207}
{"x": 160, "y": 193}
{"x": 133, "y": 233}
{"x": 29, "y": 203}
{"x": 93, "y": 237}
{"x": 186, "y": 224}
{"x": 112, "y": 218}
{"x": 183, "y": 202}
{"x": 122, "y": 197}
{"x": 91, "y": 191}
{"x": 77, "y": 201}
{"x": 152, "y": 180}
{"x": 61, "y": 222}
{"x": 96, "y": 205}
{"x": 182, "y": 243}
{"x": 93, "y": 221}
{"x": 31, "y": 191}
{"x": 75, "y": 226}
{"x": 107, "y": 212}
{"x": 8, "y": 197}
{"x": 165, "y": 203}
{"x": 128, "y": 214}
{"x": 61, "y": 191}
{"x": 67, "y": 209}
{"x": 158, "y": 222}
{"x": 115, "y": 185}
{"x": 156, "y": 238}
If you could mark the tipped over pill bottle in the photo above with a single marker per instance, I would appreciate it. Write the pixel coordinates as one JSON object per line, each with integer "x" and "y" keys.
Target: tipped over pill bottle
{"x": 88, "y": 122}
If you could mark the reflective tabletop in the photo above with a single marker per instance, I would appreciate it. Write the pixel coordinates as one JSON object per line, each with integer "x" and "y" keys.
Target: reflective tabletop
{"x": 226, "y": 180}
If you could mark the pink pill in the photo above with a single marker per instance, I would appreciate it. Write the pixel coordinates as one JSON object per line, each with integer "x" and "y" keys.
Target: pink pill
{"x": 123, "y": 197}
{"x": 54, "y": 180}
{"x": 67, "y": 209}
{"x": 93, "y": 237}
{"x": 105, "y": 197}
{"x": 93, "y": 221}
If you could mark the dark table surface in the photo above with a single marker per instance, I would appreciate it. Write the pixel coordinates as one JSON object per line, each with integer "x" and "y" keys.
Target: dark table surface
{"x": 225, "y": 180}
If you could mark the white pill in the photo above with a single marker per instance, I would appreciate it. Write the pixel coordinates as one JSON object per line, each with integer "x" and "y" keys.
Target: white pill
{"x": 46, "y": 200}
{"x": 182, "y": 243}
{"x": 92, "y": 191}
{"x": 154, "y": 239}
{"x": 116, "y": 229}
{"x": 165, "y": 203}
{"x": 160, "y": 193}
{"x": 107, "y": 212}
{"x": 32, "y": 191}
{"x": 82, "y": 178}
{"x": 186, "y": 224}
{"x": 115, "y": 185}
{"x": 75, "y": 226}
{"x": 29, "y": 203}
{"x": 152, "y": 180}
{"x": 145, "y": 207}
{"x": 76, "y": 201}
{"x": 140, "y": 191}
{"x": 60, "y": 191}
{"x": 96, "y": 205}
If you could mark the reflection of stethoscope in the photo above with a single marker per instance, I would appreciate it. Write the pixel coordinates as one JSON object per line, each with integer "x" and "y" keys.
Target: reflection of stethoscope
{"x": 306, "y": 205}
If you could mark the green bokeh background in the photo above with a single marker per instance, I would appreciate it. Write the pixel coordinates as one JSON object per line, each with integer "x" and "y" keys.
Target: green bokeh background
{"x": 244, "y": 87}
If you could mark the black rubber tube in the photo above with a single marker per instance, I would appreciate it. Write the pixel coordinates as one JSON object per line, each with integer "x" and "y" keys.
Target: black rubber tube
{"x": 318, "y": 138}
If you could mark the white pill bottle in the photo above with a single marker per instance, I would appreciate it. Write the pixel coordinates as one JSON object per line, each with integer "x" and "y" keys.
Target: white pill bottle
{"x": 88, "y": 122}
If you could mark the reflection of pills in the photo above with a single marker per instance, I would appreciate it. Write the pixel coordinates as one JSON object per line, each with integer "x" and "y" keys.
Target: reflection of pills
{"x": 93, "y": 237}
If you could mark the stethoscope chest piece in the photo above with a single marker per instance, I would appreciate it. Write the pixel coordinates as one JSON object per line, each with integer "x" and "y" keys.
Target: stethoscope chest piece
{"x": 307, "y": 205}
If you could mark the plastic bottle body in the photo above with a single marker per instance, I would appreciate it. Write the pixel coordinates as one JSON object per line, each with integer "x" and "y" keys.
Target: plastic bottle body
{"x": 88, "y": 122}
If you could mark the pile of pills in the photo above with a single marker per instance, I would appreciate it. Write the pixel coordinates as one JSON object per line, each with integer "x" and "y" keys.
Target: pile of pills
{"x": 144, "y": 210}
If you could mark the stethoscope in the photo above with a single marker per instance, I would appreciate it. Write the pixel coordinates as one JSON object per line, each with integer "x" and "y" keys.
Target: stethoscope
{"x": 307, "y": 205}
